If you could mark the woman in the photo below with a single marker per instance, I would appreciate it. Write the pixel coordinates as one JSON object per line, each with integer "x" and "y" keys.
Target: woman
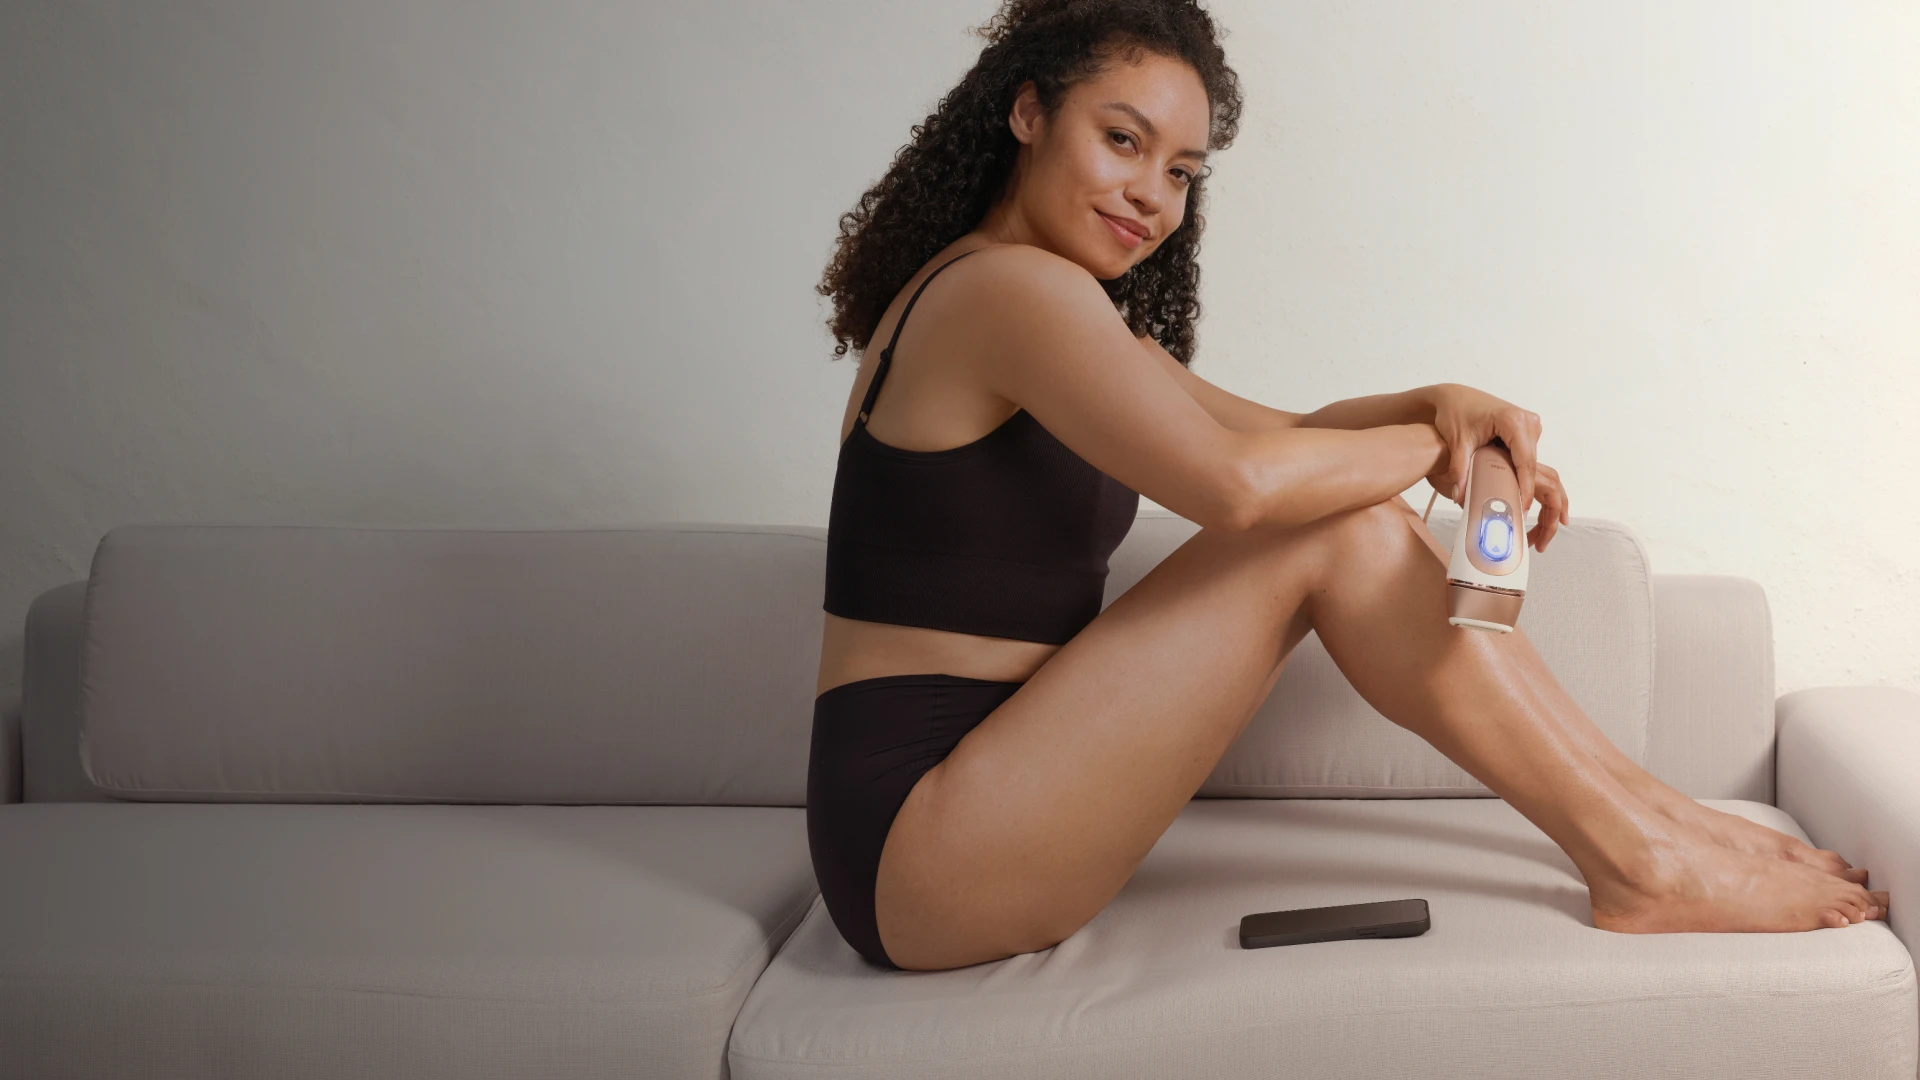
{"x": 993, "y": 755}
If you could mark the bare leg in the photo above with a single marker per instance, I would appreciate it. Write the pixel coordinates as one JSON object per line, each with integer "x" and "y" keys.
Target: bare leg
{"x": 1487, "y": 702}
{"x": 1043, "y": 810}
{"x": 1729, "y": 830}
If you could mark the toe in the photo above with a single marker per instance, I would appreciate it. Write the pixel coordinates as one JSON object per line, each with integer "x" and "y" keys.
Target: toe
{"x": 1831, "y": 862}
{"x": 1818, "y": 858}
{"x": 1833, "y": 919}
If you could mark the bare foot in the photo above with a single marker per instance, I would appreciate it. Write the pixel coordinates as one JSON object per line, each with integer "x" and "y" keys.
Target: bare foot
{"x": 1736, "y": 832}
{"x": 1689, "y": 884}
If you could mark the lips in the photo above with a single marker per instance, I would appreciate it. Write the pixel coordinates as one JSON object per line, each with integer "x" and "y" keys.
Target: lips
{"x": 1126, "y": 230}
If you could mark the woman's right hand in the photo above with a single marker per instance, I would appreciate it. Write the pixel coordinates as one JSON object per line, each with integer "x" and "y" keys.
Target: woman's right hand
{"x": 1548, "y": 491}
{"x": 1469, "y": 419}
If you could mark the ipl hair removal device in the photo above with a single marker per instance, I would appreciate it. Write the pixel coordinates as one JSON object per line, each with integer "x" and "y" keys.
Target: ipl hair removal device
{"x": 1487, "y": 577}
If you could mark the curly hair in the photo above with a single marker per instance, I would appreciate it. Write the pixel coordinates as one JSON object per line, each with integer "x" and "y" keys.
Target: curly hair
{"x": 956, "y": 167}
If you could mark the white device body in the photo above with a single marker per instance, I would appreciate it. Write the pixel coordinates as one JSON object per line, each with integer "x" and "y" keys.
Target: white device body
{"x": 1487, "y": 574}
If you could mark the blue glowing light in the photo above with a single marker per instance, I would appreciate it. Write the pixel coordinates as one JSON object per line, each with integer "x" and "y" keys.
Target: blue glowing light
{"x": 1496, "y": 538}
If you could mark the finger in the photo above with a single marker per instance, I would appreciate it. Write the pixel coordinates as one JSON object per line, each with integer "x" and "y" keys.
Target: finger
{"x": 1553, "y": 504}
{"x": 1458, "y": 455}
{"x": 1516, "y": 430}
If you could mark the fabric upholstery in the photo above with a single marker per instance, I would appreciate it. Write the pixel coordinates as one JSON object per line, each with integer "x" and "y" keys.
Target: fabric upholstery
{"x": 1849, "y": 769}
{"x": 208, "y": 665}
{"x": 1710, "y": 732}
{"x": 1511, "y": 981}
{"x": 664, "y": 664}
{"x": 435, "y": 664}
{"x": 181, "y": 941}
{"x": 50, "y": 699}
{"x": 1712, "y": 727}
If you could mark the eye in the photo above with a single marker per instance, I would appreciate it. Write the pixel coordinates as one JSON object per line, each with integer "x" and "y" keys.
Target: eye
{"x": 1186, "y": 176}
{"x": 1120, "y": 138}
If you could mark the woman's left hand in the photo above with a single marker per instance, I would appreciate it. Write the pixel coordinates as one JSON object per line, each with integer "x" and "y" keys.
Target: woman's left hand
{"x": 1469, "y": 419}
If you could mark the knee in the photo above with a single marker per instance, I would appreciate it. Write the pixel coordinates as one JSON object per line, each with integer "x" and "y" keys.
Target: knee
{"x": 1378, "y": 533}
{"x": 1384, "y": 521}
{"x": 1374, "y": 535}
{"x": 1393, "y": 527}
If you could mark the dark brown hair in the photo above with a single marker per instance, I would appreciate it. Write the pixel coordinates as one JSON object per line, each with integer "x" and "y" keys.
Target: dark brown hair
{"x": 956, "y": 166}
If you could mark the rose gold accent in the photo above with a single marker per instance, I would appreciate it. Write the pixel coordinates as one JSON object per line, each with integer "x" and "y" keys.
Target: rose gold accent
{"x": 1480, "y": 602}
{"x": 1491, "y": 476}
{"x": 1489, "y": 588}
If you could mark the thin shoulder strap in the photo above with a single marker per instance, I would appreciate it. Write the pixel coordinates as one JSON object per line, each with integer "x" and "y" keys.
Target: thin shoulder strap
{"x": 886, "y": 354}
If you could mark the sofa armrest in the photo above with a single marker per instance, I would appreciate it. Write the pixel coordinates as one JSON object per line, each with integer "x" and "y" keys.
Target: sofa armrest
{"x": 1847, "y": 769}
{"x": 10, "y": 775}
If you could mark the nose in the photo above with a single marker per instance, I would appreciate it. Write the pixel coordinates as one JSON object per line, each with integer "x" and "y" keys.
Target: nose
{"x": 1145, "y": 194}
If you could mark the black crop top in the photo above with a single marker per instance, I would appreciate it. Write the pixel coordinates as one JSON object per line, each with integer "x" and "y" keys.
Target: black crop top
{"x": 1006, "y": 536}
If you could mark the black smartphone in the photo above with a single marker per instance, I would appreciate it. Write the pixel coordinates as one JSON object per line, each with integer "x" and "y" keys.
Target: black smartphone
{"x": 1382, "y": 918}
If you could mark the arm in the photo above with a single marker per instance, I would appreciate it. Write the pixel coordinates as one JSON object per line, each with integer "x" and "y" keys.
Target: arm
{"x": 1847, "y": 768}
{"x": 1056, "y": 347}
{"x": 1354, "y": 414}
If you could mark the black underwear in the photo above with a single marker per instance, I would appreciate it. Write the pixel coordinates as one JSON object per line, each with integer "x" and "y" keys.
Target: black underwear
{"x": 872, "y": 741}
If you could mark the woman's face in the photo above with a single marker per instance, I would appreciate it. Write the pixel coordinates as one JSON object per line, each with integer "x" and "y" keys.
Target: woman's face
{"x": 1104, "y": 180}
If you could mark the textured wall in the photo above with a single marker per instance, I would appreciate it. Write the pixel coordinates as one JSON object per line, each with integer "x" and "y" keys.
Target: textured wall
{"x": 492, "y": 262}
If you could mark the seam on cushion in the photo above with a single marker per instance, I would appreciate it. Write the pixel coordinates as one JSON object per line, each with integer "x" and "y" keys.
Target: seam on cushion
{"x": 1904, "y": 977}
{"x": 787, "y": 922}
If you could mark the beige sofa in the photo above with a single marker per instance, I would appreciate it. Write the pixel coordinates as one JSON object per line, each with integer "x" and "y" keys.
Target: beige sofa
{"x": 413, "y": 802}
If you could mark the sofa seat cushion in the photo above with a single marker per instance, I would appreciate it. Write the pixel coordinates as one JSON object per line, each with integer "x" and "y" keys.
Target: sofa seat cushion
{"x": 1512, "y": 979}
{"x": 187, "y": 940}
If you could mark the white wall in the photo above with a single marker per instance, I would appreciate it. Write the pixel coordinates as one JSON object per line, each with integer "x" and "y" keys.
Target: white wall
{"x": 479, "y": 263}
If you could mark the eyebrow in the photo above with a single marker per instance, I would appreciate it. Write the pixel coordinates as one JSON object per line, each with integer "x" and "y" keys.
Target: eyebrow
{"x": 1147, "y": 125}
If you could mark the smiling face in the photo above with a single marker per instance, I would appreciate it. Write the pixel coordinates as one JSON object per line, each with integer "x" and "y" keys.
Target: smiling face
{"x": 1104, "y": 180}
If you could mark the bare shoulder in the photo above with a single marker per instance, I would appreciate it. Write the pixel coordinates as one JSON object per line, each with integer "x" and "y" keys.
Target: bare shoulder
{"x": 1018, "y": 297}
{"x": 1025, "y": 277}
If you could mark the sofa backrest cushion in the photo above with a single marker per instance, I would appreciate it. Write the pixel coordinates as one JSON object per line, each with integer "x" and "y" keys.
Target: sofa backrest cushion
{"x": 659, "y": 664}
{"x": 1588, "y": 612}
{"x": 670, "y": 663}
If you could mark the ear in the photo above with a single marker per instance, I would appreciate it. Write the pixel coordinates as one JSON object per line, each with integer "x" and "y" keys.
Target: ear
{"x": 1026, "y": 116}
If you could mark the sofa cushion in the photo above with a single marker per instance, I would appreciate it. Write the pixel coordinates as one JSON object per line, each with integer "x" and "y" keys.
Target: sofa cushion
{"x": 1512, "y": 979}
{"x": 1710, "y": 726}
{"x": 1588, "y": 612}
{"x": 185, "y": 940}
{"x": 672, "y": 663}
